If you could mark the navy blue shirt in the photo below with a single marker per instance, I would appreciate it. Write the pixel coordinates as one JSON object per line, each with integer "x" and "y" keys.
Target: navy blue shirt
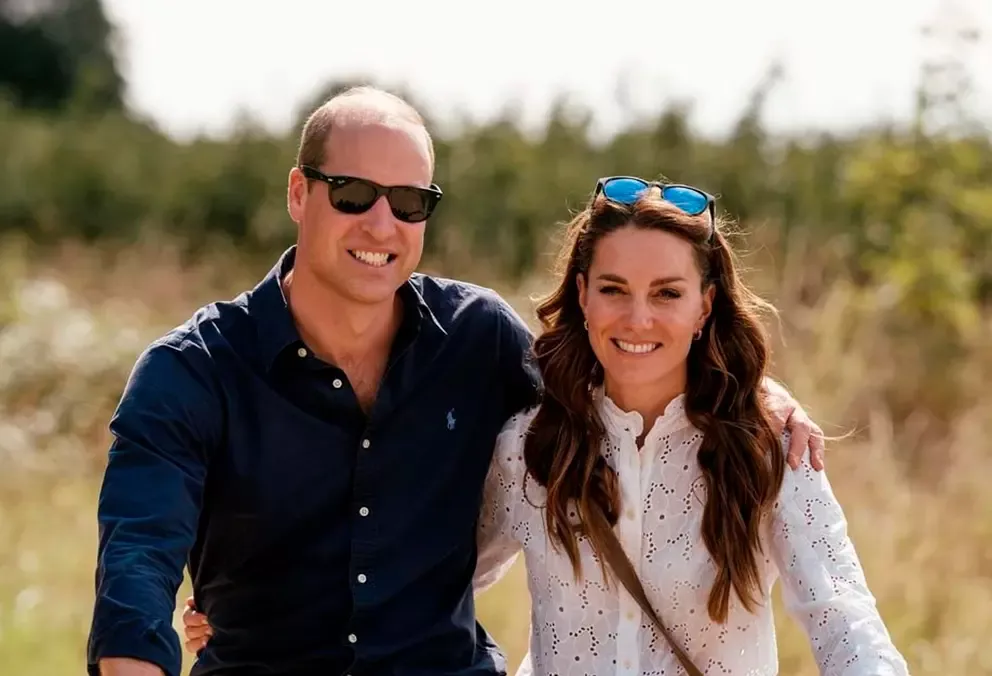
{"x": 319, "y": 539}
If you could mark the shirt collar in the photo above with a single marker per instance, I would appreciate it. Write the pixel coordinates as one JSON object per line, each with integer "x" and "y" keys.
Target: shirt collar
{"x": 277, "y": 330}
{"x": 270, "y": 311}
{"x": 413, "y": 299}
{"x": 619, "y": 422}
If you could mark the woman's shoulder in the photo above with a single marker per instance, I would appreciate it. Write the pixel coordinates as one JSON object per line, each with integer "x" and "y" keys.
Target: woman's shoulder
{"x": 509, "y": 452}
{"x": 520, "y": 422}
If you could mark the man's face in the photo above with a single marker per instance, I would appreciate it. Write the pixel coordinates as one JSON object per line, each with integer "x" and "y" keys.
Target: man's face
{"x": 364, "y": 257}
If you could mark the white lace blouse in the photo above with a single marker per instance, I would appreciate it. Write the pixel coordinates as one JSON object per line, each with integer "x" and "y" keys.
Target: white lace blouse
{"x": 580, "y": 628}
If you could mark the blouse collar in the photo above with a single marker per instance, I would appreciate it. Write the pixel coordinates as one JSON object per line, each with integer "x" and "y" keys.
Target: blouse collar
{"x": 620, "y": 422}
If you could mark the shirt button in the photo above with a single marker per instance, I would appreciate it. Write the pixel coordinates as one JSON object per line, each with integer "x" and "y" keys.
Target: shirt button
{"x": 337, "y": 383}
{"x": 630, "y": 514}
{"x": 366, "y": 443}
{"x": 364, "y": 511}
{"x": 630, "y": 615}
{"x": 352, "y": 638}
{"x": 361, "y": 578}
{"x": 302, "y": 352}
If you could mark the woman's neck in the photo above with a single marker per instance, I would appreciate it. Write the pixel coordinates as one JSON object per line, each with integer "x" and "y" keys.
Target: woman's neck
{"x": 649, "y": 399}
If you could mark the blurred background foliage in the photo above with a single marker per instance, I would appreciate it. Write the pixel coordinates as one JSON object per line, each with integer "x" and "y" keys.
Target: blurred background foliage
{"x": 875, "y": 243}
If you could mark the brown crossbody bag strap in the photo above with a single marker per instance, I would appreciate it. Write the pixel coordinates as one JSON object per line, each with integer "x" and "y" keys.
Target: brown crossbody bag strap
{"x": 621, "y": 566}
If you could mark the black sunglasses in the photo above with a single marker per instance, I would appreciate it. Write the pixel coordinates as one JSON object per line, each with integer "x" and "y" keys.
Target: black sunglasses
{"x": 351, "y": 195}
{"x": 627, "y": 189}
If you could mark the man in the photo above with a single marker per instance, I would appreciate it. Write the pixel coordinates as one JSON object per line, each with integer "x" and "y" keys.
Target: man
{"x": 315, "y": 449}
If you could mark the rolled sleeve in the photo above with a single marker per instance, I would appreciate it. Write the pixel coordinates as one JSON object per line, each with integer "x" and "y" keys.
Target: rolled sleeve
{"x": 150, "y": 504}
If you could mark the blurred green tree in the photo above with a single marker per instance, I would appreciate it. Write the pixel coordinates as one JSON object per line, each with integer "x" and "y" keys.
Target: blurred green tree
{"x": 57, "y": 54}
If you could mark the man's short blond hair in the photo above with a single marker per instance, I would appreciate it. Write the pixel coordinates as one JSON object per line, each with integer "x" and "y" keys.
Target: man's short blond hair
{"x": 364, "y": 103}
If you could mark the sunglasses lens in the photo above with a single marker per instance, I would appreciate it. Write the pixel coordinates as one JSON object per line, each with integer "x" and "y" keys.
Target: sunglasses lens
{"x": 624, "y": 190}
{"x": 353, "y": 197}
{"x": 409, "y": 204}
{"x": 688, "y": 200}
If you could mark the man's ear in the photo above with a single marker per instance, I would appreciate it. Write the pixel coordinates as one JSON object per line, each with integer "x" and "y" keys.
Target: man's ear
{"x": 297, "y": 191}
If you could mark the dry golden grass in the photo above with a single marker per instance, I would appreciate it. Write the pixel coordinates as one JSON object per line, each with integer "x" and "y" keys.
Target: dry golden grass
{"x": 70, "y": 329}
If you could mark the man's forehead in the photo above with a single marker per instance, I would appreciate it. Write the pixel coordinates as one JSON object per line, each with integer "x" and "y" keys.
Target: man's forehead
{"x": 366, "y": 143}
{"x": 374, "y": 114}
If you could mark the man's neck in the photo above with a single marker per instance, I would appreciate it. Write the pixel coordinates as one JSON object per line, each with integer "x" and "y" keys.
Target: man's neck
{"x": 340, "y": 332}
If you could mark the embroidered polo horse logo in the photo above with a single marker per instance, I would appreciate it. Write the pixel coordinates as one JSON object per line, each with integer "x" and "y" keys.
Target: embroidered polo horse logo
{"x": 451, "y": 419}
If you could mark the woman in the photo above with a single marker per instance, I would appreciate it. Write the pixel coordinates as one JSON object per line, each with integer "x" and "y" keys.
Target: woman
{"x": 652, "y": 431}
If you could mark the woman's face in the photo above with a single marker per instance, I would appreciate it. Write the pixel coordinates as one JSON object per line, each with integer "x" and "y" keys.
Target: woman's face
{"x": 643, "y": 301}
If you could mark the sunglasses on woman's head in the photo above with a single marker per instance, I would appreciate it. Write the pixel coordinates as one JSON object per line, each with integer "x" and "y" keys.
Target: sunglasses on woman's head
{"x": 627, "y": 189}
{"x": 351, "y": 195}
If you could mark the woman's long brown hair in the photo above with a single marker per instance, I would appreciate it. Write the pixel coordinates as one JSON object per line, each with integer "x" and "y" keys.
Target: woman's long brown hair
{"x": 740, "y": 456}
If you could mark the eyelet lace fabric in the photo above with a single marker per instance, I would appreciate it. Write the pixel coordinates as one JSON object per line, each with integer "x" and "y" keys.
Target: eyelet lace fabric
{"x": 584, "y": 627}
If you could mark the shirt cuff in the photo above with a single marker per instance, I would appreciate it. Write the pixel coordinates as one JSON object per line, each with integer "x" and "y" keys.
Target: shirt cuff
{"x": 155, "y": 643}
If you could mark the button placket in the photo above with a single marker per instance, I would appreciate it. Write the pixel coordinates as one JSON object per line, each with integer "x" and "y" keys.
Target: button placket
{"x": 366, "y": 524}
{"x": 629, "y": 527}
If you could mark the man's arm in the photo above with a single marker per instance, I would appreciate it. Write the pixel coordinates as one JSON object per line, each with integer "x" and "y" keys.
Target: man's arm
{"x": 523, "y": 386}
{"x": 126, "y": 666}
{"x": 790, "y": 416}
{"x": 164, "y": 426}
{"x": 521, "y": 378}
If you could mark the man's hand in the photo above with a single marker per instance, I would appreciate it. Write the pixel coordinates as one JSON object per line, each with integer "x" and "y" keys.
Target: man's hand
{"x": 196, "y": 628}
{"x": 789, "y": 414}
{"x": 125, "y": 666}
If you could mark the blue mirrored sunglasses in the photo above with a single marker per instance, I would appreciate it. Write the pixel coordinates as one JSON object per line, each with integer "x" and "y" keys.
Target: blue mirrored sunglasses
{"x": 627, "y": 189}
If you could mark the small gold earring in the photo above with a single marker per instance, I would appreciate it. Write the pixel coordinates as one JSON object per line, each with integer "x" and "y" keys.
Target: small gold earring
{"x": 585, "y": 324}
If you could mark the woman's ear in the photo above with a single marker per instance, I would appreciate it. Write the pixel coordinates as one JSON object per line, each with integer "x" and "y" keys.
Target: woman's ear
{"x": 707, "y": 305}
